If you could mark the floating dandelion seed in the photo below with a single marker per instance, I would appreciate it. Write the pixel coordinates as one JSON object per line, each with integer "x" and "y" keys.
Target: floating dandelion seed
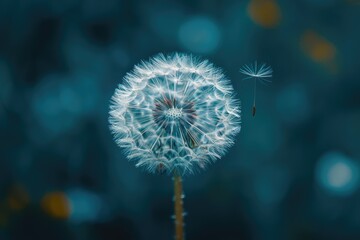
{"x": 174, "y": 114}
{"x": 262, "y": 74}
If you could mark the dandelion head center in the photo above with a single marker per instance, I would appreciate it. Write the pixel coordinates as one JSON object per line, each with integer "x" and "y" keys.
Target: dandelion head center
{"x": 174, "y": 113}
{"x": 168, "y": 111}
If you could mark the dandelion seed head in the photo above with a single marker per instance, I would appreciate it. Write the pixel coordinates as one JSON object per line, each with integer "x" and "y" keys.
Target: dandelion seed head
{"x": 262, "y": 73}
{"x": 255, "y": 71}
{"x": 174, "y": 113}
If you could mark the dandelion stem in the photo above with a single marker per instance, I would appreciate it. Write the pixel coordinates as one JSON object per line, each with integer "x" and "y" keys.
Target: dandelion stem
{"x": 178, "y": 200}
{"x": 254, "y": 104}
{"x": 255, "y": 92}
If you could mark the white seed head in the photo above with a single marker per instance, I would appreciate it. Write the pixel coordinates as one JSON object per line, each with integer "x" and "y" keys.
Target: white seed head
{"x": 174, "y": 113}
{"x": 254, "y": 71}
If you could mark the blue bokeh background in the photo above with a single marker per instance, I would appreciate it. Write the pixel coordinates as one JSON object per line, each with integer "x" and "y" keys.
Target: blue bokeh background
{"x": 292, "y": 174}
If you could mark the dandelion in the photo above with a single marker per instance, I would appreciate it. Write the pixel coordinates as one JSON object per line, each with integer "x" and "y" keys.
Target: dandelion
{"x": 262, "y": 74}
{"x": 175, "y": 114}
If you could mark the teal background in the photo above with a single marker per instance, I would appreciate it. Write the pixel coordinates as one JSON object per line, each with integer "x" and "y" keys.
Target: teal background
{"x": 292, "y": 174}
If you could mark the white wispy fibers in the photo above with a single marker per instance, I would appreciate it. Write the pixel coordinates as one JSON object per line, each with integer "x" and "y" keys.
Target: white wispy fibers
{"x": 174, "y": 113}
{"x": 261, "y": 73}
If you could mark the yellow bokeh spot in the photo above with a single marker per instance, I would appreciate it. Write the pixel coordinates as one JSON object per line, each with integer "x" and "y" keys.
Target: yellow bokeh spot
{"x": 320, "y": 50}
{"x": 56, "y": 204}
{"x": 317, "y": 47}
{"x": 266, "y": 13}
{"x": 18, "y": 198}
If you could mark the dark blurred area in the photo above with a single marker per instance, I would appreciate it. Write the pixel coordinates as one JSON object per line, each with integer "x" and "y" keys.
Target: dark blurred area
{"x": 294, "y": 172}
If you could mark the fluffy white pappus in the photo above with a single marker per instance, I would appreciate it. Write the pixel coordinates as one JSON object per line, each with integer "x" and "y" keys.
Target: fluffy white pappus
{"x": 174, "y": 113}
{"x": 253, "y": 71}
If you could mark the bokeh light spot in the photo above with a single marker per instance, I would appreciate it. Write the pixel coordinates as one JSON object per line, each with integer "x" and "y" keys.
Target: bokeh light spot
{"x": 56, "y": 204}
{"x": 60, "y": 101}
{"x": 199, "y": 35}
{"x": 337, "y": 173}
{"x": 85, "y": 206}
{"x": 320, "y": 50}
{"x": 266, "y": 13}
{"x": 317, "y": 47}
